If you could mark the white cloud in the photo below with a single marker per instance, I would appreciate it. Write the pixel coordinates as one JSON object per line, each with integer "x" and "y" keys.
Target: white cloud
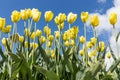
{"x": 101, "y": 1}
{"x": 106, "y": 27}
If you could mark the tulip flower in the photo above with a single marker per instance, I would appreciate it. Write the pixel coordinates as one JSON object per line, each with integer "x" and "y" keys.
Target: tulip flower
{"x": 7, "y": 29}
{"x": 33, "y": 35}
{"x": 57, "y": 34}
{"x": 66, "y": 43}
{"x": 38, "y": 33}
{"x": 26, "y": 44}
{"x": 113, "y": 18}
{"x": 2, "y": 22}
{"x": 3, "y": 41}
{"x": 29, "y": 13}
{"x": 21, "y": 39}
{"x": 94, "y": 53}
{"x": 94, "y": 20}
{"x": 89, "y": 45}
{"x": 52, "y": 54}
{"x": 93, "y": 40}
{"x": 15, "y": 17}
{"x": 108, "y": 55}
{"x": 81, "y": 52}
{"x": 24, "y": 14}
{"x": 72, "y": 42}
{"x": 49, "y": 44}
{"x": 47, "y": 30}
{"x": 48, "y": 16}
{"x": 27, "y": 32}
{"x": 71, "y": 18}
{"x": 61, "y": 26}
{"x": 51, "y": 37}
{"x": 36, "y": 14}
{"x": 84, "y": 16}
{"x": 42, "y": 39}
{"x": 60, "y": 18}
{"x": 82, "y": 39}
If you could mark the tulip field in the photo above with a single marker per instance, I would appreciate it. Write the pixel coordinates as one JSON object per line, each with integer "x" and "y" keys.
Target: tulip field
{"x": 61, "y": 55}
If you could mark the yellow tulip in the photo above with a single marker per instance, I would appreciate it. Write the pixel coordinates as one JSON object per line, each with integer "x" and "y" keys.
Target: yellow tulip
{"x": 15, "y": 17}
{"x": 6, "y": 29}
{"x": 52, "y": 54}
{"x": 82, "y": 39}
{"x": 94, "y": 20}
{"x": 89, "y": 44}
{"x": 48, "y": 16}
{"x": 36, "y": 14}
{"x": 73, "y": 32}
{"x": 38, "y": 33}
{"x": 42, "y": 39}
{"x": 21, "y": 39}
{"x": 81, "y": 52}
{"x": 24, "y": 14}
{"x": 108, "y": 55}
{"x": 49, "y": 44}
{"x": 93, "y": 40}
{"x": 94, "y": 53}
{"x": 66, "y": 43}
{"x": 34, "y": 45}
{"x": 72, "y": 42}
{"x": 113, "y": 18}
{"x": 60, "y": 18}
{"x": 47, "y": 30}
{"x": 102, "y": 46}
{"x": 2, "y": 22}
{"x": 51, "y": 37}
{"x": 71, "y": 18}
{"x": 61, "y": 26}
{"x": 84, "y": 16}
{"x": 27, "y": 32}
{"x": 57, "y": 34}
{"x": 26, "y": 44}
{"x": 33, "y": 35}
{"x": 4, "y": 41}
{"x": 66, "y": 35}
{"x": 90, "y": 55}
{"x": 29, "y": 13}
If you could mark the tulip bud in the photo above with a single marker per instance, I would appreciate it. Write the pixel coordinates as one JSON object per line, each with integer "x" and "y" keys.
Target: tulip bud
{"x": 66, "y": 43}
{"x": 47, "y": 30}
{"x": 49, "y": 44}
{"x": 36, "y": 14}
{"x": 38, "y": 33}
{"x": 6, "y": 29}
{"x": 29, "y": 13}
{"x": 24, "y": 15}
{"x": 15, "y": 17}
{"x": 108, "y": 55}
{"x": 33, "y": 35}
{"x": 57, "y": 34}
{"x": 48, "y": 16}
{"x": 71, "y": 17}
{"x": 4, "y": 41}
{"x": 2, "y": 22}
{"x": 113, "y": 18}
{"x": 94, "y": 20}
{"x": 26, "y": 44}
{"x": 82, "y": 39}
{"x": 89, "y": 44}
{"x": 52, "y": 54}
{"x": 42, "y": 39}
{"x": 21, "y": 39}
{"x": 72, "y": 42}
{"x": 51, "y": 37}
{"x": 93, "y": 40}
{"x": 84, "y": 16}
{"x": 81, "y": 52}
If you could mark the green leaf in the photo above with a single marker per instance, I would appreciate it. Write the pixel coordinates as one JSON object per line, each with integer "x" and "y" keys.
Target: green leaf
{"x": 117, "y": 36}
{"x": 49, "y": 74}
{"x": 14, "y": 57}
{"x": 112, "y": 52}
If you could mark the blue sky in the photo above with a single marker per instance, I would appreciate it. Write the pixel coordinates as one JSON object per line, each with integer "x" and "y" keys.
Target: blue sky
{"x": 57, "y": 6}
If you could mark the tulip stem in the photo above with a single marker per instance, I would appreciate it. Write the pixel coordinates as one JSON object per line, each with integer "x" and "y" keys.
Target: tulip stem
{"x": 13, "y": 33}
{"x": 69, "y": 26}
{"x": 86, "y": 54}
{"x": 115, "y": 36}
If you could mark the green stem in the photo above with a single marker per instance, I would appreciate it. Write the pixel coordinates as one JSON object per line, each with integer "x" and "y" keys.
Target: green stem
{"x": 14, "y": 28}
{"x": 85, "y": 49}
{"x": 115, "y": 35}
{"x": 69, "y": 26}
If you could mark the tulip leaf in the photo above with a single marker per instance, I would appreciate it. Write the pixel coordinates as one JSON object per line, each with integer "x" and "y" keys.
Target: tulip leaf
{"x": 112, "y": 52}
{"x": 117, "y": 37}
{"x": 49, "y": 74}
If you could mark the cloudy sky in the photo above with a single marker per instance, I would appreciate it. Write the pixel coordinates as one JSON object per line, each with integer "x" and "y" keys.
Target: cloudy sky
{"x": 100, "y": 7}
